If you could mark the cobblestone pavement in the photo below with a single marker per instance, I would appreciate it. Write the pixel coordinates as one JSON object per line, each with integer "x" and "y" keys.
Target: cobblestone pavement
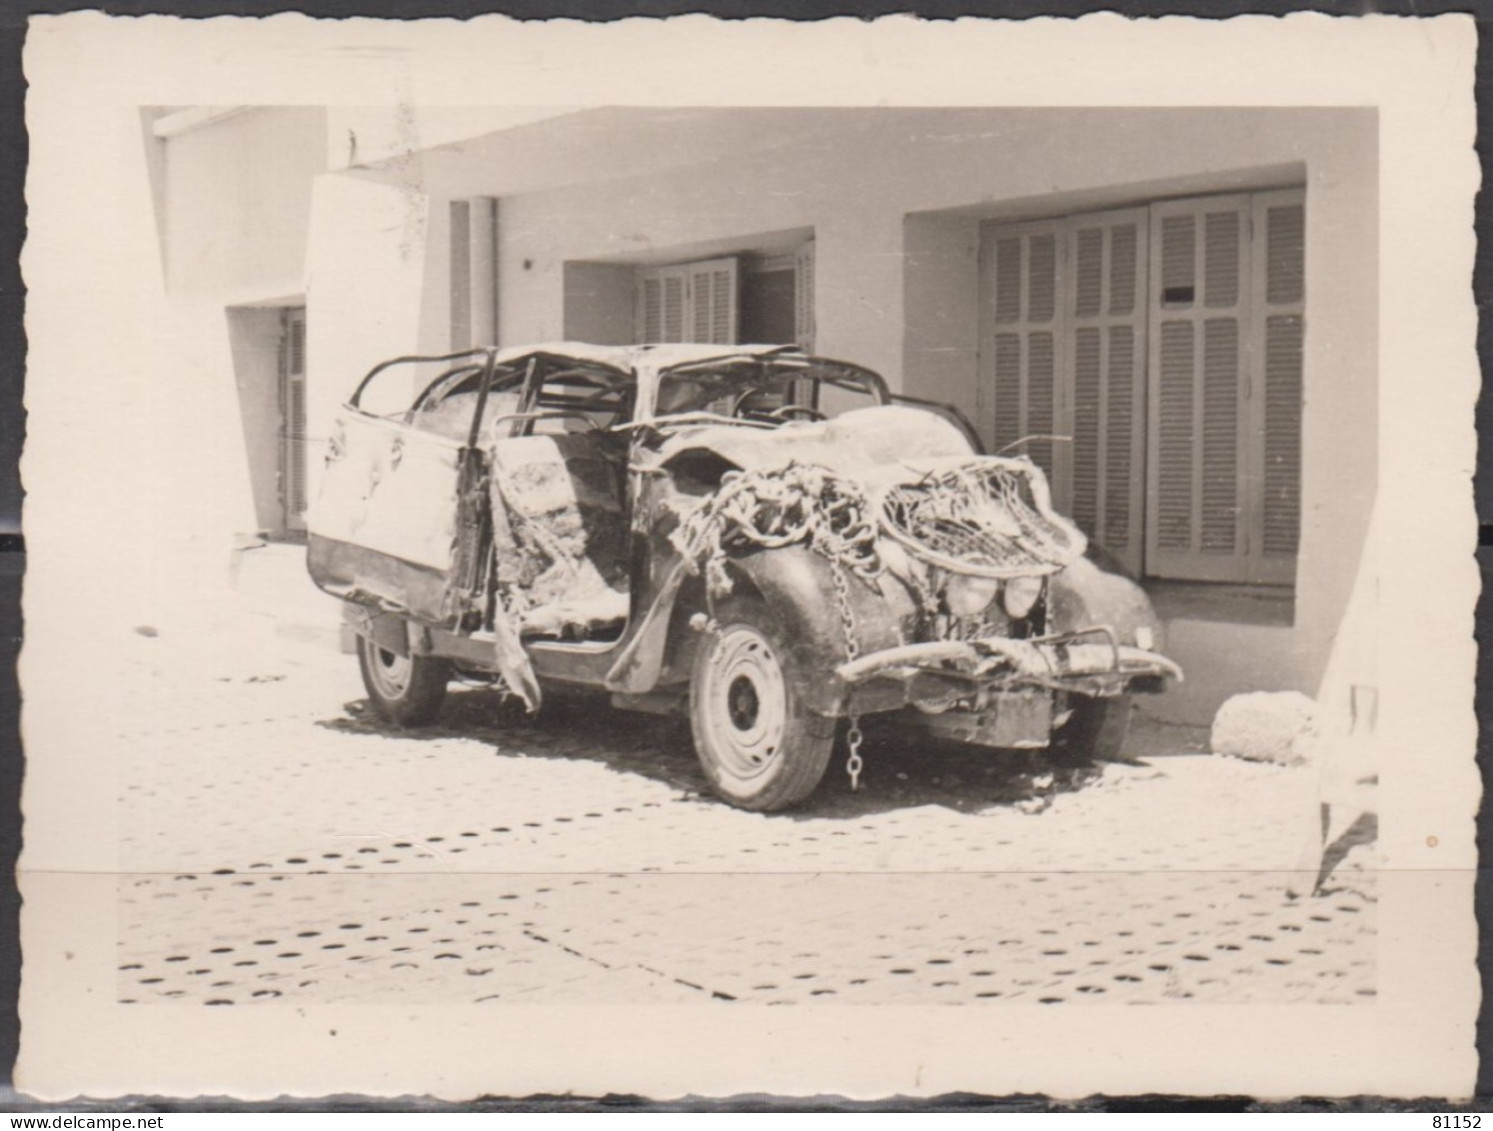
{"x": 282, "y": 845}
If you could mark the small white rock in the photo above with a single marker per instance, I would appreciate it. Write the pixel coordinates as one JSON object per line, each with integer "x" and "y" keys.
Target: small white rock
{"x": 1267, "y": 726}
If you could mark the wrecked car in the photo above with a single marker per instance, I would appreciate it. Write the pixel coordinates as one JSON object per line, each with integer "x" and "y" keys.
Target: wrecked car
{"x": 764, "y": 541}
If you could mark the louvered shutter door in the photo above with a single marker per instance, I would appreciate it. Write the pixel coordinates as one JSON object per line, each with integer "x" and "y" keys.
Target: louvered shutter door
{"x": 662, "y": 314}
{"x": 1197, "y": 417}
{"x": 1020, "y": 395}
{"x": 1105, "y": 378}
{"x": 1278, "y": 305}
{"x": 673, "y": 315}
{"x": 692, "y": 302}
{"x": 650, "y": 308}
{"x": 712, "y": 301}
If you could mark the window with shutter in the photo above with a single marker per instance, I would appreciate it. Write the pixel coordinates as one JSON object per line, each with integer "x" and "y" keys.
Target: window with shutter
{"x": 1197, "y": 374}
{"x": 689, "y": 302}
{"x": 674, "y": 292}
{"x": 1105, "y": 331}
{"x": 1279, "y": 297}
{"x": 650, "y": 309}
{"x": 1172, "y": 360}
{"x": 1021, "y": 278}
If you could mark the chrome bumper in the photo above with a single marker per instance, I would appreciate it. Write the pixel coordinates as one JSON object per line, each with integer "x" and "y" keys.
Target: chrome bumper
{"x": 1048, "y": 662}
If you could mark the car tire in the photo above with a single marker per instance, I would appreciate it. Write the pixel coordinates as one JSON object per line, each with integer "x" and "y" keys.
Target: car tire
{"x": 1096, "y": 731}
{"x": 759, "y": 745}
{"x": 405, "y": 690}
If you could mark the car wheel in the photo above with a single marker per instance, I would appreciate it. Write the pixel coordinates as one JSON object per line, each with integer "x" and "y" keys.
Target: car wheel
{"x": 1096, "y": 731}
{"x": 758, "y": 744}
{"x": 404, "y": 690}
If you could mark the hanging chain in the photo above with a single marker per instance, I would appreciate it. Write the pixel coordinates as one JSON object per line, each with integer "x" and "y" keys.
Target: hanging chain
{"x": 854, "y": 763}
{"x": 771, "y": 508}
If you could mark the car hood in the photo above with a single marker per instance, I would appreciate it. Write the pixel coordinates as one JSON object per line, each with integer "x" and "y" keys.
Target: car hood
{"x": 933, "y": 495}
{"x": 856, "y": 443}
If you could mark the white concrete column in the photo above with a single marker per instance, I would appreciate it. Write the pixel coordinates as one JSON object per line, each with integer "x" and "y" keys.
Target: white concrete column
{"x": 474, "y": 272}
{"x": 483, "y": 257}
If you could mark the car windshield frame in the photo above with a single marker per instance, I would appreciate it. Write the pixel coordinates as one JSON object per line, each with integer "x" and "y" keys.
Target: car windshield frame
{"x": 780, "y": 367}
{"x": 483, "y": 372}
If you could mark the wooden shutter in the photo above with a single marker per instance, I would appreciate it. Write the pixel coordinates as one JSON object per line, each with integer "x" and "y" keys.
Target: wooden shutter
{"x": 1198, "y": 420}
{"x": 1019, "y": 393}
{"x": 293, "y": 411}
{"x": 661, "y": 292}
{"x": 1104, "y": 381}
{"x": 690, "y": 302}
{"x": 713, "y": 302}
{"x": 1278, "y": 298}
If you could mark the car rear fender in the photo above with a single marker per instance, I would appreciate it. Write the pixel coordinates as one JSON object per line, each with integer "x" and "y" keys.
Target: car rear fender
{"x": 388, "y": 631}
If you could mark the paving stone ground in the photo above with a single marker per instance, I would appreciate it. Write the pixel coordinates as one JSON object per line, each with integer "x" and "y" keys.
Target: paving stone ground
{"x": 282, "y": 845}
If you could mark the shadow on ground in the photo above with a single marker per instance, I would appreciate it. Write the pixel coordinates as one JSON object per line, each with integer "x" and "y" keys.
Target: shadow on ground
{"x": 904, "y": 768}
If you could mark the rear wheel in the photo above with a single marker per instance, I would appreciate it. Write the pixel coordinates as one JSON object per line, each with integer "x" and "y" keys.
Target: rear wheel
{"x": 758, "y": 744}
{"x": 404, "y": 690}
{"x": 1096, "y": 731}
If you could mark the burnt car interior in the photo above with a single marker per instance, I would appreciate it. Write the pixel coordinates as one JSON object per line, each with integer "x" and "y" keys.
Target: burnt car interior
{"x": 557, "y": 458}
{"x": 557, "y": 485}
{"x": 555, "y": 432}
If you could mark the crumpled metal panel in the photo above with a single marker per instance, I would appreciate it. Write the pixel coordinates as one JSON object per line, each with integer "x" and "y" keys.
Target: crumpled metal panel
{"x": 854, "y": 442}
{"x": 389, "y": 489}
{"x": 1083, "y": 595}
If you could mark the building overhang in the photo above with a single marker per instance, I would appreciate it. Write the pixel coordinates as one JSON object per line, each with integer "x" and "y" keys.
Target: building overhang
{"x": 190, "y": 118}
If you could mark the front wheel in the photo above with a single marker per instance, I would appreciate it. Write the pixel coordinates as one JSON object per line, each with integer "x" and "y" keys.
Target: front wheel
{"x": 761, "y": 748}
{"x": 1096, "y": 731}
{"x": 405, "y": 690}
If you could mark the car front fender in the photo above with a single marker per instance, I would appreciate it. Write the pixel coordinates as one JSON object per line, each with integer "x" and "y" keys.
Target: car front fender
{"x": 1084, "y": 596}
{"x": 798, "y": 586}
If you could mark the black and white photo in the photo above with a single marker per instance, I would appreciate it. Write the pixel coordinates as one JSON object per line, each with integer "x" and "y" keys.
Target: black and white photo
{"x": 661, "y": 568}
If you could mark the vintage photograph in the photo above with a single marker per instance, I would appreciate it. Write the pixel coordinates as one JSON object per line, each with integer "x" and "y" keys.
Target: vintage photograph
{"x": 720, "y": 538}
{"x": 622, "y": 554}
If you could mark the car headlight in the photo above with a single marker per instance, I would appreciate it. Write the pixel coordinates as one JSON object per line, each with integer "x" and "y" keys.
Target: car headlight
{"x": 967, "y": 595}
{"x": 1021, "y": 594}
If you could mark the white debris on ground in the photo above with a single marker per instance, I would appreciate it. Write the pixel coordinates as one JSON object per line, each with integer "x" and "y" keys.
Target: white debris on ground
{"x": 282, "y": 844}
{"x": 1267, "y": 726}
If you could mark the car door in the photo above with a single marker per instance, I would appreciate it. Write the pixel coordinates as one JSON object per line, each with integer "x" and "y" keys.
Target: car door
{"x": 392, "y": 521}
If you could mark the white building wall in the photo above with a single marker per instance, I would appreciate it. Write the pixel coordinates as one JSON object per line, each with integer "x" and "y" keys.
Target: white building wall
{"x": 218, "y": 248}
{"x": 238, "y": 196}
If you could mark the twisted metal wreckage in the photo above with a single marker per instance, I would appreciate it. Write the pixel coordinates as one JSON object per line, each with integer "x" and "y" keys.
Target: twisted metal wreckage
{"x": 663, "y": 522}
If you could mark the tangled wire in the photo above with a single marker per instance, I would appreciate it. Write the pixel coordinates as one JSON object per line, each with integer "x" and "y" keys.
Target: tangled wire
{"x": 778, "y": 507}
{"x": 990, "y": 517}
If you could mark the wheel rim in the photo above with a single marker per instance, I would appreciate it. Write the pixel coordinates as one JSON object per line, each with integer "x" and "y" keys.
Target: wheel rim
{"x": 390, "y": 672}
{"x": 745, "y": 703}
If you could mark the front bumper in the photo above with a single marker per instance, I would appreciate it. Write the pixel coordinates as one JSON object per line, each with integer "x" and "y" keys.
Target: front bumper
{"x": 1090, "y": 662}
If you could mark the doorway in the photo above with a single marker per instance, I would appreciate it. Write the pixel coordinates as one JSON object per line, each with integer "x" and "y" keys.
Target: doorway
{"x": 292, "y": 469}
